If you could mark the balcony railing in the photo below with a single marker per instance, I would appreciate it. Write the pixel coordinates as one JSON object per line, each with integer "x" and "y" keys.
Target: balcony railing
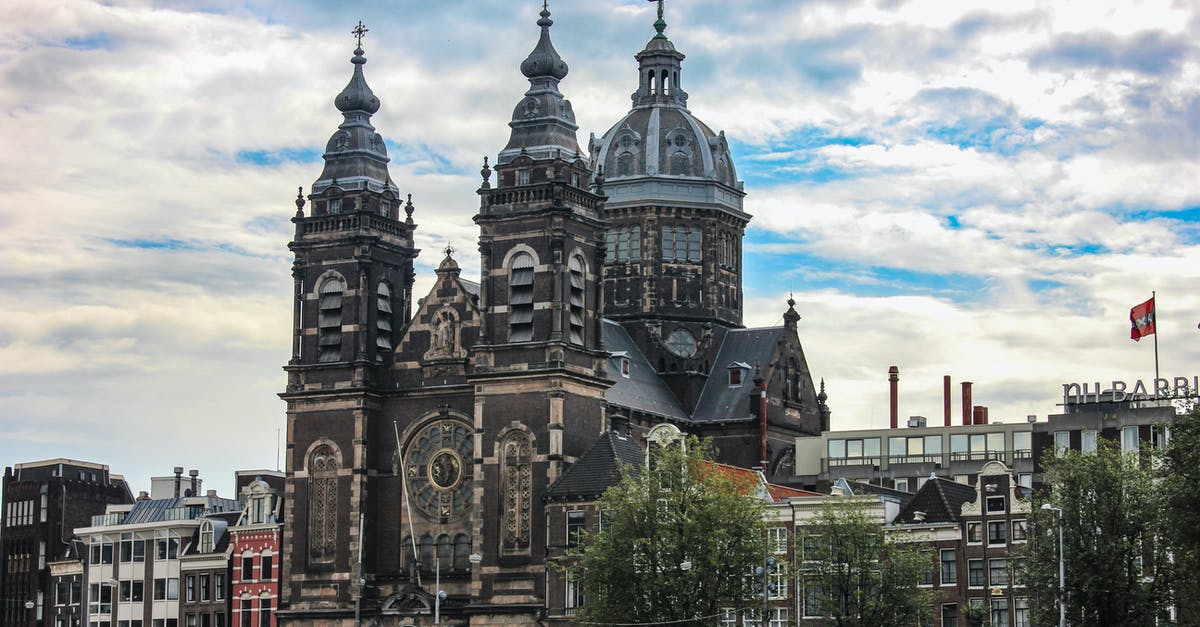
{"x": 107, "y": 520}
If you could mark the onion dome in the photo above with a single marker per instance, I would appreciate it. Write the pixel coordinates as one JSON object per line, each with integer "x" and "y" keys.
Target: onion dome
{"x": 660, "y": 138}
{"x": 543, "y": 123}
{"x": 356, "y": 156}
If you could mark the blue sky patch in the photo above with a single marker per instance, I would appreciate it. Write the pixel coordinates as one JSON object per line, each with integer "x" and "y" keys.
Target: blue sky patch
{"x": 92, "y": 41}
{"x": 276, "y": 157}
{"x": 165, "y": 243}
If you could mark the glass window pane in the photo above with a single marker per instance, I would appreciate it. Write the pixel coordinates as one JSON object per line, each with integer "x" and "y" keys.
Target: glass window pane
{"x": 933, "y": 445}
{"x": 995, "y": 441}
{"x": 1022, "y": 440}
{"x": 916, "y": 446}
{"x": 896, "y": 446}
{"x": 854, "y": 448}
{"x": 871, "y": 447}
{"x": 958, "y": 443}
{"x": 1088, "y": 442}
{"x": 837, "y": 449}
{"x": 978, "y": 442}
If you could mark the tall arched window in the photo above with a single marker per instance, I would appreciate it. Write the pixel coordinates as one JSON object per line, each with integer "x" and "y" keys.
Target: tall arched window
{"x": 383, "y": 318}
{"x": 462, "y": 553}
{"x": 575, "y": 272}
{"x": 329, "y": 324}
{"x": 520, "y": 300}
{"x": 322, "y": 503}
{"x": 516, "y": 492}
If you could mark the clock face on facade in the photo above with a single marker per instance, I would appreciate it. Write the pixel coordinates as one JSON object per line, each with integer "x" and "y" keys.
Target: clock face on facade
{"x": 681, "y": 343}
{"x": 438, "y": 468}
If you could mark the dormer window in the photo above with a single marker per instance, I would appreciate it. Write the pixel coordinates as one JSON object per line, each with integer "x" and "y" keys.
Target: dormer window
{"x": 335, "y": 205}
{"x": 385, "y": 208}
{"x": 207, "y": 537}
{"x": 737, "y": 373}
{"x": 523, "y": 177}
{"x": 622, "y": 359}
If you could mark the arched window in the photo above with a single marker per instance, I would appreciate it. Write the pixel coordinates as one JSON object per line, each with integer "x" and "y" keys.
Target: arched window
{"x": 516, "y": 492}
{"x": 322, "y": 503}
{"x": 383, "y": 318}
{"x": 329, "y": 324}
{"x": 666, "y": 83}
{"x": 462, "y": 553}
{"x": 520, "y": 301}
{"x": 445, "y": 552}
{"x": 427, "y": 553}
{"x": 576, "y": 276}
{"x": 207, "y": 537}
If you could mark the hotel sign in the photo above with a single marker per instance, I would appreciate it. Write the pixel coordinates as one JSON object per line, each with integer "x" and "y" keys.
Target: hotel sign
{"x": 1120, "y": 391}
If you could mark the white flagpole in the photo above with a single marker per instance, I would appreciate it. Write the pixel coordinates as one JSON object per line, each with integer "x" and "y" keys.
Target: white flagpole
{"x": 1154, "y": 298}
{"x": 412, "y": 535}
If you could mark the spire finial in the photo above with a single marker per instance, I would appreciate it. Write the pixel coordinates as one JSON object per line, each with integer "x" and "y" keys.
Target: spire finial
{"x": 361, "y": 30}
{"x": 660, "y": 24}
{"x": 449, "y": 250}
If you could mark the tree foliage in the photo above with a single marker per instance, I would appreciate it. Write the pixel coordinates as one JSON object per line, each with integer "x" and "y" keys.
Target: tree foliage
{"x": 856, "y": 575}
{"x": 683, "y": 510}
{"x": 1116, "y": 566}
{"x": 1180, "y": 476}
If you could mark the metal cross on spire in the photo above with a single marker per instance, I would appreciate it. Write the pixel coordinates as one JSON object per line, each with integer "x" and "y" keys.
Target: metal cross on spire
{"x": 660, "y": 8}
{"x": 361, "y": 30}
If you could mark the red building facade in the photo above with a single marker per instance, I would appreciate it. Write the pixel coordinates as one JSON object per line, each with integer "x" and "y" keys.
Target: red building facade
{"x": 254, "y": 562}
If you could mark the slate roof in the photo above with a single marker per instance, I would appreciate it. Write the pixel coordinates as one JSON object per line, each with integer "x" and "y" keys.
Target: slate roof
{"x": 940, "y": 499}
{"x": 719, "y": 401}
{"x": 599, "y": 468}
{"x": 642, "y": 390}
{"x": 861, "y": 487}
{"x": 470, "y": 287}
{"x": 173, "y": 509}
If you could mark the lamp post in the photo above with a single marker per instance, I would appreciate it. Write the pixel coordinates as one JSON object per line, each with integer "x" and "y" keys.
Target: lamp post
{"x": 1062, "y": 568}
{"x": 765, "y": 572}
{"x": 29, "y": 605}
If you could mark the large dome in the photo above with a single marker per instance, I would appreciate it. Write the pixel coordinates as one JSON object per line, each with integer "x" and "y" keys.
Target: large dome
{"x": 664, "y": 139}
{"x": 659, "y": 151}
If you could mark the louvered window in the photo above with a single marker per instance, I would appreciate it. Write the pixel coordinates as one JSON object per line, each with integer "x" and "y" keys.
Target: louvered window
{"x": 576, "y": 295}
{"x": 383, "y": 318}
{"x": 520, "y": 301}
{"x": 329, "y": 325}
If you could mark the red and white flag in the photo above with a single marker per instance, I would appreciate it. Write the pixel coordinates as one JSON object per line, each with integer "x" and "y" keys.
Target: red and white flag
{"x": 1141, "y": 317}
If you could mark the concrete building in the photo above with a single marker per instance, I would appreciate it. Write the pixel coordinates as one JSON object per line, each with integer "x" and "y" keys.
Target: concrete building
{"x": 139, "y": 554}
{"x": 42, "y": 502}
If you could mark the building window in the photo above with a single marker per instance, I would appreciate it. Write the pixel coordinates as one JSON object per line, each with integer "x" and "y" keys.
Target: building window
{"x": 576, "y": 276}
{"x": 950, "y": 615}
{"x": 1019, "y": 531}
{"x": 902, "y": 485}
{"x": 247, "y": 567}
{"x": 1088, "y": 441}
{"x": 949, "y": 567}
{"x": 335, "y": 205}
{"x": 856, "y": 449}
{"x": 812, "y": 601}
{"x": 247, "y": 614}
{"x": 1022, "y": 444}
{"x": 779, "y": 617}
{"x": 264, "y": 612}
{"x": 735, "y": 376}
{"x": 995, "y": 503}
{"x": 575, "y": 524}
{"x": 681, "y": 244}
{"x": 998, "y": 571}
{"x": 517, "y": 479}
{"x": 383, "y": 317}
{"x": 520, "y": 301}
{"x": 219, "y": 586}
{"x": 974, "y": 532}
{"x": 462, "y": 553}
{"x": 975, "y": 577}
{"x": 207, "y": 537}
{"x": 523, "y": 177}
{"x": 265, "y": 565}
{"x": 996, "y": 532}
{"x": 205, "y": 593}
{"x": 624, "y": 243}
{"x": 999, "y": 611}
{"x": 1062, "y": 442}
{"x": 190, "y": 588}
{"x": 167, "y": 548}
{"x": 574, "y": 593}
{"x": 329, "y": 320}
{"x": 1129, "y": 439}
{"x": 1020, "y": 612}
{"x": 322, "y": 503}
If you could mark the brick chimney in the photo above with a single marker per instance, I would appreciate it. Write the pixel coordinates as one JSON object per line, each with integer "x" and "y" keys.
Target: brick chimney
{"x": 946, "y": 398}
{"x": 894, "y": 391}
{"x": 966, "y": 402}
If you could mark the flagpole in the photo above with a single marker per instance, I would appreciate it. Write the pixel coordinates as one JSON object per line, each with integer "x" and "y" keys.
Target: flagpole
{"x": 1154, "y": 298}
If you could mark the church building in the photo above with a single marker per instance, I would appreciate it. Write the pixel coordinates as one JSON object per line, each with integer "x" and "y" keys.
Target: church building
{"x": 422, "y": 441}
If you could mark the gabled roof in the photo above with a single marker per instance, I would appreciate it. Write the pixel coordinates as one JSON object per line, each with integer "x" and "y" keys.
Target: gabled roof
{"x": 599, "y": 469}
{"x": 861, "y": 487}
{"x": 754, "y": 482}
{"x": 940, "y": 499}
{"x": 753, "y": 347}
{"x": 642, "y": 390}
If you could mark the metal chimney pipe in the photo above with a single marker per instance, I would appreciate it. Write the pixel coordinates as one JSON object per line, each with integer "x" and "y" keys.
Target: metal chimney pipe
{"x": 946, "y": 398}
{"x": 966, "y": 402}
{"x": 977, "y": 415}
{"x": 894, "y": 390}
{"x": 178, "y": 478}
{"x": 193, "y": 473}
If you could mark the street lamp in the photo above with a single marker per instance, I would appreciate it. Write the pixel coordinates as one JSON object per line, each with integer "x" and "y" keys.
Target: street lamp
{"x": 1062, "y": 568}
{"x": 29, "y": 605}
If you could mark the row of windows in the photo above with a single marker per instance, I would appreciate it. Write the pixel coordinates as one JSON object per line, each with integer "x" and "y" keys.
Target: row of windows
{"x": 265, "y": 570}
{"x": 205, "y": 587}
{"x": 1130, "y": 439}
{"x": 997, "y": 532}
{"x": 19, "y": 514}
{"x": 962, "y": 445}
{"x": 133, "y": 550}
{"x": 248, "y": 616}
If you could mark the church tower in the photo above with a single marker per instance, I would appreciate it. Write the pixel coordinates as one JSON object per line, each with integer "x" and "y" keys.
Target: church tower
{"x": 673, "y": 275}
{"x": 353, "y": 274}
{"x": 539, "y": 370}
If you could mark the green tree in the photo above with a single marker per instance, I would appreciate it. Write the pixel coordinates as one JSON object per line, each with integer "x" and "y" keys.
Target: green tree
{"x": 678, "y": 542}
{"x": 1116, "y": 567}
{"x": 853, "y": 573}
{"x": 1179, "y": 473}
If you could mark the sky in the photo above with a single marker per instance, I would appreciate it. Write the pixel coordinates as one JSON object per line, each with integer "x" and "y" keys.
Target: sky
{"x": 977, "y": 189}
